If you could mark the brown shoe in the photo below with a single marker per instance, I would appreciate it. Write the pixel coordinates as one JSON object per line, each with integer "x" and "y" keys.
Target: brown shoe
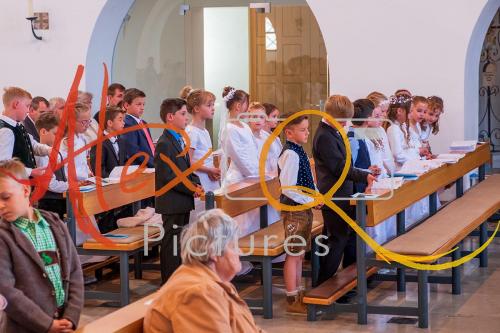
{"x": 295, "y": 306}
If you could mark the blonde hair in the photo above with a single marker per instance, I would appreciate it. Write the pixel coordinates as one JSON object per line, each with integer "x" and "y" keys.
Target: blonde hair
{"x": 14, "y": 169}
{"x": 339, "y": 106}
{"x": 377, "y": 98}
{"x": 185, "y": 91}
{"x": 256, "y": 106}
{"x": 12, "y": 93}
{"x": 196, "y": 98}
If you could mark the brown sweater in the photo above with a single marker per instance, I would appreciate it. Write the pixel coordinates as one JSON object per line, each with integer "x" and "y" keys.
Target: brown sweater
{"x": 30, "y": 295}
{"x": 196, "y": 300}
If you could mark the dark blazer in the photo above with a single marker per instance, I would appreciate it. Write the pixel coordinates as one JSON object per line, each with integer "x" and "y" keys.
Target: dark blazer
{"x": 179, "y": 199}
{"x": 109, "y": 158}
{"x": 31, "y": 129}
{"x": 137, "y": 142}
{"x": 26, "y": 286}
{"x": 329, "y": 154}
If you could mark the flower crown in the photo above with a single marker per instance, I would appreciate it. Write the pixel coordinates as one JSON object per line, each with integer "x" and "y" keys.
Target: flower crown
{"x": 401, "y": 99}
{"x": 229, "y": 95}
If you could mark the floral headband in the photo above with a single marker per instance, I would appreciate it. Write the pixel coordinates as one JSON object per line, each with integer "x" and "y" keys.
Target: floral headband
{"x": 229, "y": 95}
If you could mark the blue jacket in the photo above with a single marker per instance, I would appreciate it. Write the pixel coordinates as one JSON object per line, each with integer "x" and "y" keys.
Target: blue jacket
{"x": 137, "y": 142}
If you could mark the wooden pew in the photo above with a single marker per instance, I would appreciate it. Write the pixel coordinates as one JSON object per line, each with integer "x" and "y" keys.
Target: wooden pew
{"x": 374, "y": 212}
{"x": 128, "y": 319}
{"x": 444, "y": 231}
{"x": 116, "y": 195}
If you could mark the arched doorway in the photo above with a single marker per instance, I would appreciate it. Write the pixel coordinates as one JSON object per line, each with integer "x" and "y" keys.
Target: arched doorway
{"x": 163, "y": 45}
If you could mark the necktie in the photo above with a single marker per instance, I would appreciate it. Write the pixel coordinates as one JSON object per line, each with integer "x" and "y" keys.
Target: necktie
{"x": 148, "y": 137}
{"x": 27, "y": 142}
{"x": 116, "y": 148}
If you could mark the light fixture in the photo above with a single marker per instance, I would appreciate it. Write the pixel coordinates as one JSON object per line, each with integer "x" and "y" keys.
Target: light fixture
{"x": 32, "y": 22}
{"x": 183, "y": 9}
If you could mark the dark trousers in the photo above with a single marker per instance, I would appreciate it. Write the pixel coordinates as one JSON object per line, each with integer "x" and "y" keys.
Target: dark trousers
{"x": 57, "y": 206}
{"x": 170, "y": 260}
{"x": 341, "y": 242}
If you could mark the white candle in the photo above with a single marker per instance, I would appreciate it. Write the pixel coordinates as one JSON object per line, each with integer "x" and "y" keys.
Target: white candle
{"x": 30, "y": 8}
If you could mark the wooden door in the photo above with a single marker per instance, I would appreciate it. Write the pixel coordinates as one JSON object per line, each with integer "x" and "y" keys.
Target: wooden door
{"x": 293, "y": 76}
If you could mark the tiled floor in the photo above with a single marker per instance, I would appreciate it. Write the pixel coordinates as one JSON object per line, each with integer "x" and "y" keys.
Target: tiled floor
{"x": 476, "y": 310}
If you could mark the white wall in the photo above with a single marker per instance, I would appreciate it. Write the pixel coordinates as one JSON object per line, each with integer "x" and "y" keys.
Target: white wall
{"x": 430, "y": 47}
{"x": 45, "y": 67}
{"x": 419, "y": 45}
{"x": 226, "y": 53}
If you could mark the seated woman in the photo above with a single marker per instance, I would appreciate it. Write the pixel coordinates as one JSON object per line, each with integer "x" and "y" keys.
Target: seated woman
{"x": 199, "y": 296}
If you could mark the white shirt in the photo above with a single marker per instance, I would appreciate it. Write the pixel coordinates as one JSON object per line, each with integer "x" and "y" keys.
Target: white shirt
{"x": 114, "y": 143}
{"x": 289, "y": 166}
{"x": 7, "y": 140}
{"x": 82, "y": 168}
{"x": 402, "y": 150}
{"x": 201, "y": 143}
{"x": 239, "y": 145}
{"x": 56, "y": 186}
{"x": 273, "y": 153}
{"x": 425, "y": 133}
{"x": 380, "y": 152}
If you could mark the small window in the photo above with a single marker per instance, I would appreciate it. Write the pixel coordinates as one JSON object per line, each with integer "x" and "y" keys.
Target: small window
{"x": 271, "y": 42}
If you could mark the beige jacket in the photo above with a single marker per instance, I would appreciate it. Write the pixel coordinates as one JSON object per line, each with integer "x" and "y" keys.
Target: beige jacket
{"x": 196, "y": 300}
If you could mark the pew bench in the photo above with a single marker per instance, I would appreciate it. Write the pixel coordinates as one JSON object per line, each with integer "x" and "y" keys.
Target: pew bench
{"x": 326, "y": 294}
{"x": 128, "y": 319}
{"x": 130, "y": 246}
{"x": 443, "y": 232}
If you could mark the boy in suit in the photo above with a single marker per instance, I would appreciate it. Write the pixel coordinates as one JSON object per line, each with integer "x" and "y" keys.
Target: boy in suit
{"x": 139, "y": 140}
{"x": 114, "y": 153}
{"x": 329, "y": 154}
{"x": 41, "y": 276}
{"x": 177, "y": 203}
{"x": 114, "y": 149}
{"x": 38, "y": 106}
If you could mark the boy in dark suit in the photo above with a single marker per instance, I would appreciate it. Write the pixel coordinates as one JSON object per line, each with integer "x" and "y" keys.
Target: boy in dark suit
{"x": 114, "y": 149}
{"x": 139, "y": 140}
{"x": 329, "y": 154}
{"x": 176, "y": 204}
{"x": 114, "y": 153}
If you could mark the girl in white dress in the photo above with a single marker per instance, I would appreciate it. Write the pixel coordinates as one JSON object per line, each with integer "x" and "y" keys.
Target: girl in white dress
{"x": 380, "y": 151}
{"x": 404, "y": 148}
{"x": 416, "y": 118}
{"x": 270, "y": 124}
{"x": 430, "y": 124}
{"x": 200, "y": 105}
{"x": 240, "y": 151}
{"x": 257, "y": 114}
